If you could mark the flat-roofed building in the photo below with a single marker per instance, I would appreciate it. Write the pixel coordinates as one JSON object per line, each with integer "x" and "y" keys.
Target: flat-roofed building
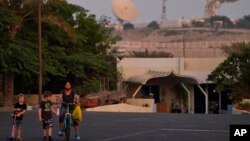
{"x": 174, "y": 84}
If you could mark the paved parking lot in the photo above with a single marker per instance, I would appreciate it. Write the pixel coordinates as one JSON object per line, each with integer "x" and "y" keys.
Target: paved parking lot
{"x": 135, "y": 127}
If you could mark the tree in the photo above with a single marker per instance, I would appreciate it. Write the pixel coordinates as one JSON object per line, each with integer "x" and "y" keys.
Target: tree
{"x": 75, "y": 46}
{"x": 18, "y": 49}
{"x": 244, "y": 22}
{"x": 82, "y": 59}
{"x": 16, "y": 55}
{"x": 197, "y": 24}
{"x": 227, "y": 23}
{"x": 233, "y": 74}
{"x": 128, "y": 26}
{"x": 153, "y": 25}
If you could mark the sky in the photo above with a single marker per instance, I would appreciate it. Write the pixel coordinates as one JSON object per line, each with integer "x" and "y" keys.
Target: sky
{"x": 150, "y": 10}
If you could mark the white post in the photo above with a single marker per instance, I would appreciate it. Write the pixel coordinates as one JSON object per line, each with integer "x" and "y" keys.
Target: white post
{"x": 206, "y": 98}
{"x": 189, "y": 97}
{"x": 134, "y": 94}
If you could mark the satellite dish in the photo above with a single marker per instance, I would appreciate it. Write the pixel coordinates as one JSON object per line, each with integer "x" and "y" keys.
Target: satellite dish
{"x": 124, "y": 10}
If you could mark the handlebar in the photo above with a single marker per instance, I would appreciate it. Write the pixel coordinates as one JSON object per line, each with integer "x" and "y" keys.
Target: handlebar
{"x": 15, "y": 113}
{"x": 67, "y": 104}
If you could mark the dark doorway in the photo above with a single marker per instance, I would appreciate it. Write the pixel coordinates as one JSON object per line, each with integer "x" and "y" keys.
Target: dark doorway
{"x": 155, "y": 89}
{"x": 199, "y": 100}
{"x": 214, "y": 96}
{"x": 146, "y": 90}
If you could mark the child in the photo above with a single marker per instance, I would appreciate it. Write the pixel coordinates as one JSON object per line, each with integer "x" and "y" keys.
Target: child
{"x": 45, "y": 115}
{"x": 19, "y": 109}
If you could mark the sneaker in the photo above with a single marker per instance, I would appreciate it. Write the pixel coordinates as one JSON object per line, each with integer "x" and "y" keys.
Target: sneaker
{"x": 60, "y": 133}
{"x": 11, "y": 138}
{"x": 77, "y": 137}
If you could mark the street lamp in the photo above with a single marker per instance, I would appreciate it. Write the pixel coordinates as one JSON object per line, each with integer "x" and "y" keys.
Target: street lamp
{"x": 40, "y": 50}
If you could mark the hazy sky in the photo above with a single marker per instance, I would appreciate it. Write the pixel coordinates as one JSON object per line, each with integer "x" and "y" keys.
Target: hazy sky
{"x": 150, "y": 10}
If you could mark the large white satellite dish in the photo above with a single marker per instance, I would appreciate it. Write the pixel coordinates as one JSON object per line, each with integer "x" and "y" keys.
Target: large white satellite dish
{"x": 124, "y": 10}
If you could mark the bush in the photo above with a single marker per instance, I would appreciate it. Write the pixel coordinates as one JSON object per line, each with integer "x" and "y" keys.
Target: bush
{"x": 244, "y": 22}
{"x": 227, "y": 23}
{"x": 244, "y": 106}
{"x": 198, "y": 24}
{"x": 128, "y": 26}
{"x": 153, "y": 25}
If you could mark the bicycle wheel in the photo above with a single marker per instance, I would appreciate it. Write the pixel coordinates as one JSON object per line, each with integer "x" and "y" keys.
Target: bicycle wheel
{"x": 67, "y": 128}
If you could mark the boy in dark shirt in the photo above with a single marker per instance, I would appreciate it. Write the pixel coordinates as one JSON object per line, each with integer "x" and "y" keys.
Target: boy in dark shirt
{"x": 45, "y": 115}
{"x": 19, "y": 109}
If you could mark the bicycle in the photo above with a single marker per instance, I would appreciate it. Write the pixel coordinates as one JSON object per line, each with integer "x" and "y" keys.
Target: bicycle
{"x": 67, "y": 121}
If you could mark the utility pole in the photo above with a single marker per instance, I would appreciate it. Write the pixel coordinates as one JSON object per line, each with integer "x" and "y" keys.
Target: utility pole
{"x": 184, "y": 45}
{"x": 40, "y": 75}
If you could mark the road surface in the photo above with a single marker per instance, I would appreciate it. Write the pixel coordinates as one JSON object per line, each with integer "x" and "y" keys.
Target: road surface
{"x": 135, "y": 127}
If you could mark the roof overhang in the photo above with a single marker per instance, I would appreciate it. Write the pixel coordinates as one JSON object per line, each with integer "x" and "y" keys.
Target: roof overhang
{"x": 143, "y": 79}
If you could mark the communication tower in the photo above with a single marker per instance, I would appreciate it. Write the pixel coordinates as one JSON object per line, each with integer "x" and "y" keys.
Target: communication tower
{"x": 164, "y": 13}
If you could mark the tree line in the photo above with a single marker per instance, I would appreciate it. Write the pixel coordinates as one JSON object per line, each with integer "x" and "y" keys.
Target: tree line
{"x": 243, "y": 22}
{"x": 74, "y": 45}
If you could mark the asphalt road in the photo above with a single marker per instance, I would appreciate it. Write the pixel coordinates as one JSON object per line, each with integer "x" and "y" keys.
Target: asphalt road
{"x": 135, "y": 127}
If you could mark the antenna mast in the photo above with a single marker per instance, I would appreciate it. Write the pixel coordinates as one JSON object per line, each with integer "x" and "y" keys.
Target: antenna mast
{"x": 164, "y": 13}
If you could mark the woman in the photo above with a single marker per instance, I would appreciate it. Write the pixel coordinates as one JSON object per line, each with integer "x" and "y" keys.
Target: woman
{"x": 68, "y": 95}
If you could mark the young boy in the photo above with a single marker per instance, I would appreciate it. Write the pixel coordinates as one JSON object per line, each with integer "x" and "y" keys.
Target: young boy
{"x": 45, "y": 115}
{"x": 19, "y": 109}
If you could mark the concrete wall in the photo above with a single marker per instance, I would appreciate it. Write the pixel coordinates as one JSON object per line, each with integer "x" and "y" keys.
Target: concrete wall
{"x": 246, "y": 100}
{"x": 123, "y": 107}
{"x": 138, "y": 66}
{"x": 140, "y": 102}
{"x": 201, "y": 64}
{"x": 202, "y": 49}
{"x": 195, "y": 67}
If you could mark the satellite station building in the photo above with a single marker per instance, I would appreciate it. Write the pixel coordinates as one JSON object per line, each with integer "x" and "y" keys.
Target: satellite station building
{"x": 177, "y": 85}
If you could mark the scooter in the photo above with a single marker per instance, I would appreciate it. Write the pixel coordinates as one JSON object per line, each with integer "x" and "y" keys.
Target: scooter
{"x": 11, "y": 137}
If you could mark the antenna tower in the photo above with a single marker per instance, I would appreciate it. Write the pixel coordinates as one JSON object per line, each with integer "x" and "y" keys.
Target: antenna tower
{"x": 164, "y": 13}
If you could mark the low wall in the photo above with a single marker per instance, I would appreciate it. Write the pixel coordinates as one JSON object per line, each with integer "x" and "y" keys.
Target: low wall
{"x": 141, "y": 102}
{"x": 246, "y": 100}
{"x": 123, "y": 107}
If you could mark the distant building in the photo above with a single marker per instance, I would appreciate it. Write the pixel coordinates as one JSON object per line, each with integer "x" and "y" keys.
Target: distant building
{"x": 175, "y": 84}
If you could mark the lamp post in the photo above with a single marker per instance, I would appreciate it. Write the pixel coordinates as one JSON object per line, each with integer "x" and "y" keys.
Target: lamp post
{"x": 40, "y": 50}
